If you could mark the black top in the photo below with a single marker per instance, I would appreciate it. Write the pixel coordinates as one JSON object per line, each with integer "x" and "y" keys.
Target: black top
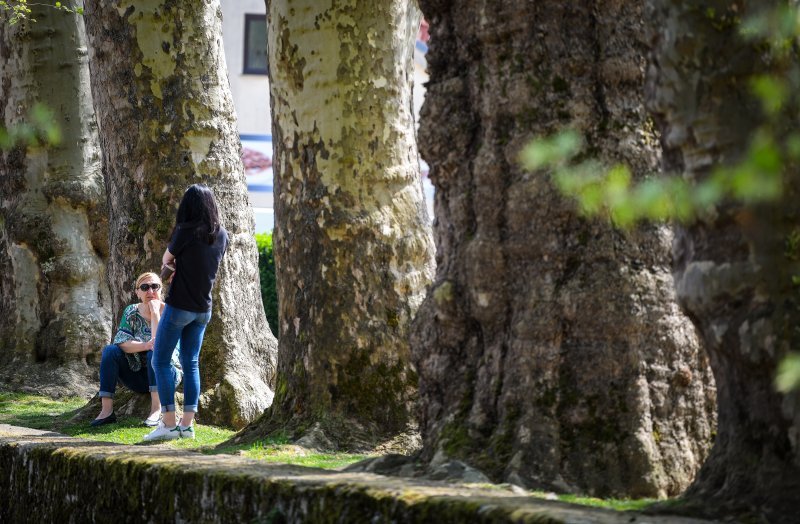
{"x": 196, "y": 264}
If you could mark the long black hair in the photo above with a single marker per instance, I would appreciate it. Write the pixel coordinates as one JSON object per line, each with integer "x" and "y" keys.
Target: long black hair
{"x": 198, "y": 211}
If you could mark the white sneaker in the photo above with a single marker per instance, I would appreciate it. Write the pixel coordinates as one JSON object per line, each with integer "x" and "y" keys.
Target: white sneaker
{"x": 153, "y": 419}
{"x": 186, "y": 432}
{"x": 162, "y": 432}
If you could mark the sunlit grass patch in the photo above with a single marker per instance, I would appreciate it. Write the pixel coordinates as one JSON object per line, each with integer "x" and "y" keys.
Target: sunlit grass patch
{"x": 290, "y": 454}
{"x": 130, "y": 430}
{"x": 278, "y": 449}
{"x": 617, "y": 504}
{"x": 38, "y": 412}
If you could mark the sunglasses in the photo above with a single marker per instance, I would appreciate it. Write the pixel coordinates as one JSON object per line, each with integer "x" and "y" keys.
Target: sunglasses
{"x": 154, "y": 287}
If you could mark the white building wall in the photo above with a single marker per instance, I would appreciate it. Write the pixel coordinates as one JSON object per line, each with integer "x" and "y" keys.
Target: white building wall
{"x": 250, "y": 92}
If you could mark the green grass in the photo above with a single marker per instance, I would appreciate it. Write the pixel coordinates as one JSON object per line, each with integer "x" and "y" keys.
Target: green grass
{"x": 278, "y": 449}
{"x": 20, "y": 409}
{"x": 617, "y": 504}
{"x": 289, "y": 454}
{"x": 30, "y": 411}
{"x": 129, "y": 430}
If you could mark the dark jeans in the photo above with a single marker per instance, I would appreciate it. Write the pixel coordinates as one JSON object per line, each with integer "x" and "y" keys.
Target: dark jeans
{"x": 114, "y": 366}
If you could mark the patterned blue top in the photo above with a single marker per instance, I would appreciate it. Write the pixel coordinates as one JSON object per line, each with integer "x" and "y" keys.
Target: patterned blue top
{"x": 134, "y": 327}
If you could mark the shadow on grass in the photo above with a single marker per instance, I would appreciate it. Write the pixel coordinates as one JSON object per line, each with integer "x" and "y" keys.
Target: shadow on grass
{"x": 21, "y": 409}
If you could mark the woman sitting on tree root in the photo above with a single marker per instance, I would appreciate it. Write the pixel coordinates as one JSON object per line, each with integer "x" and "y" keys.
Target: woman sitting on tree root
{"x": 129, "y": 357}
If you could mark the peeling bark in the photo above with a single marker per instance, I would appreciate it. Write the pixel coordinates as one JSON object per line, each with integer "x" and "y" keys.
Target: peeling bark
{"x": 54, "y": 298}
{"x": 167, "y": 121}
{"x": 551, "y": 350}
{"x": 733, "y": 268}
{"x": 352, "y": 242}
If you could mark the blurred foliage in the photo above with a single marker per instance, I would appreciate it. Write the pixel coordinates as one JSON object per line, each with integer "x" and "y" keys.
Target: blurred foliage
{"x": 757, "y": 177}
{"x": 599, "y": 188}
{"x": 266, "y": 273}
{"x": 40, "y": 129}
{"x": 15, "y": 11}
{"x": 772, "y": 153}
{"x": 789, "y": 373}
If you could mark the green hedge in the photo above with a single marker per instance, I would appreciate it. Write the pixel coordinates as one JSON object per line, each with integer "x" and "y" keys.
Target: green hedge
{"x": 266, "y": 272}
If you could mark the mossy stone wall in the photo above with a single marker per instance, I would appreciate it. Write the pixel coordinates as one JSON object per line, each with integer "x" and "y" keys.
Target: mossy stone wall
{"x": 46, "y": 477}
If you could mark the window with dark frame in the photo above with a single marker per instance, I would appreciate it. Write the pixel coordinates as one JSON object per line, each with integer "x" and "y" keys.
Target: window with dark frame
{"x": 255, "y": 45}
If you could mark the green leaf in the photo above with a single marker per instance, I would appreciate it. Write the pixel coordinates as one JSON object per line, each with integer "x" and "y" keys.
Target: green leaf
{"x": 772, "y": 92}
{"x": 706, "y": 194}
{"x": 591, "y": 199}
{"x": 788, "y": 377}
{"x": 765, "y": 154}
{"x": 653, "y": 199}
{"x": 552, "y": 151}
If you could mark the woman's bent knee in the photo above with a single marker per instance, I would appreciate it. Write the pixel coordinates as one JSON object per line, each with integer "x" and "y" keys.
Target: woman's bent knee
{"x": 111, "y": 351}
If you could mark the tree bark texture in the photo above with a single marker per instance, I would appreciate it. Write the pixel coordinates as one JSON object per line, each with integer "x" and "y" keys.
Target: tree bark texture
{"x": 551, "y": 350}
{"x": 167, "y": 121}
{"x": 734, "y": 267}
{"x": 54, "y": 298}
{"x": 353, "y": 248}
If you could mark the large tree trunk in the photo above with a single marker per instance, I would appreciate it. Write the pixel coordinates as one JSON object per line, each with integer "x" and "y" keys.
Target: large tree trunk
{"x": 734, "y": 268}
{"x": 167, "y": 121}
{"x": 551, "y": 350}
{"x": 54, "y": 299}
{"x": 353, "y": 249}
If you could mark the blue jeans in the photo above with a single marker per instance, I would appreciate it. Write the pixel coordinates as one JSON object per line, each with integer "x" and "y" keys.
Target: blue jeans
{"x": 114, "y": 366}
{"x": 187, "y": 327}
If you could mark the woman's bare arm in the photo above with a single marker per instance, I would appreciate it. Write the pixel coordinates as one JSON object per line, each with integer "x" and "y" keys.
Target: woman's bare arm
{"x": 134, "y": 346}
{"x": 156, "y": 308}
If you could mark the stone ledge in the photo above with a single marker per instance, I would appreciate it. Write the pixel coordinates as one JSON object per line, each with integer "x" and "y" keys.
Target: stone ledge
{"x": 48, "y": 477}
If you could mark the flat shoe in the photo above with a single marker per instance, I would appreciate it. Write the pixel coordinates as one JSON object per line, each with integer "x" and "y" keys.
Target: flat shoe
{"x": 103, "y": 421}
{"x": 152, "y": 422}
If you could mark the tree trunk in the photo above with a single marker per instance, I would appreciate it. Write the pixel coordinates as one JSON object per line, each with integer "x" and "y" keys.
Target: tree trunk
{"x": 54, "y": 298}
{"x": 167, "y": 121}
{"x": 551, "y": 350}
{"x": 734, "y": 268}
{"x": 352, "y": 244}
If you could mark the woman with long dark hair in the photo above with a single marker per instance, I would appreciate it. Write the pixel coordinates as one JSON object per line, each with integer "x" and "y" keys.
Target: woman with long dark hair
{"x": 196, "y": 247}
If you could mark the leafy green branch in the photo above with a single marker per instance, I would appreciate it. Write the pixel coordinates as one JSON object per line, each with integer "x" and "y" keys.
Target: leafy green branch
{"x": 20, "y": 10}
{"x": 599, "y": 188}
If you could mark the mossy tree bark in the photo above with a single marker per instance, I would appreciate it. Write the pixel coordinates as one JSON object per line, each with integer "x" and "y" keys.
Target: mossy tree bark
{"x": 167, "y": 121}
{"x": 54, "y": 299}
{"x": 353, "y": 249}
{"x": 734, "y": 268}
{"x": 551, "y": 350}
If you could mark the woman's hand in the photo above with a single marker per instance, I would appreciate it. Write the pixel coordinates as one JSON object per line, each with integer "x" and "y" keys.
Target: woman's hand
{"x": 155, "y": 306}
{"x": 167, "y": 272}
{"x": 167, "y": 261}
